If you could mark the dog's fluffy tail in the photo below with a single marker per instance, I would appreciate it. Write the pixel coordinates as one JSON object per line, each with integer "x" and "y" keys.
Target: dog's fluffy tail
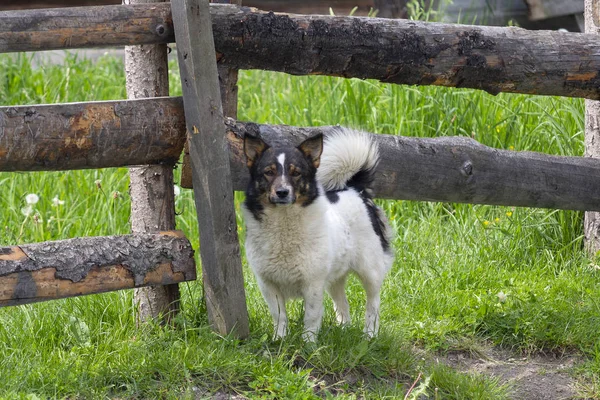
{"x": 349, "y": 159}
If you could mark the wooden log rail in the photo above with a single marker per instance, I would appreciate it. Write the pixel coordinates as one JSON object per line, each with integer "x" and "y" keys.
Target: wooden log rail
{"x": 448, "y": 169}
{"x": 493, "y": 59}
{"x": 74, "y": 267}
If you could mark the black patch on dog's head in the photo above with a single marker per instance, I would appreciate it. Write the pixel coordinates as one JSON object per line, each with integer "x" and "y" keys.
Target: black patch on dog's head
{"x": 281, "y": 175}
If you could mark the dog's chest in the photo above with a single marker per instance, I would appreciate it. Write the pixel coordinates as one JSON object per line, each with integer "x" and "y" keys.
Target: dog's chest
{"x": 288, "y": 248}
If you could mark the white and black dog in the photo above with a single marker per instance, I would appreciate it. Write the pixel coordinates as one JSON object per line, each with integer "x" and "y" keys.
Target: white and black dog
{"x": 311, "y": 221}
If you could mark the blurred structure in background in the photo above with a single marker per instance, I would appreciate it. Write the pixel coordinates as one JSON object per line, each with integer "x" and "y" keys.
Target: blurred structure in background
{"x": 530, "y": 14}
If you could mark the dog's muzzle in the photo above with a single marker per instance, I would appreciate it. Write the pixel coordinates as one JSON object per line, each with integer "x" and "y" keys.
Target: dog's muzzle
{"x": 282, "y": 195}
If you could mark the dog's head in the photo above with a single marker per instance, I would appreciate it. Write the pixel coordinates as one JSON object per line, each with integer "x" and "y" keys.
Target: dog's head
{"x": 282, "y": 175}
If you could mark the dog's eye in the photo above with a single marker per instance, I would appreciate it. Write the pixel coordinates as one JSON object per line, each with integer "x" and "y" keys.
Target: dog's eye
{"x": 295, "y": 173}
{"x": 269, "y": 172}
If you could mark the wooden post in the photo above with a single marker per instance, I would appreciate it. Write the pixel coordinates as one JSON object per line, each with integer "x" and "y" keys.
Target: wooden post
{"x": 211, "y": 175}
{"x": 228, "y": 78}
{"x": 151, "y": 188}
{"x": 592, "y": 133}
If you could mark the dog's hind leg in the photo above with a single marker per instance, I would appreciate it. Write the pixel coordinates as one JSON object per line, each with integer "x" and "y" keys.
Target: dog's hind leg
{"x": 276, "y": 303}
{"x": 313, "y": 311}
{"x": 372, "y": 281}
{"x": 337, "y": 291}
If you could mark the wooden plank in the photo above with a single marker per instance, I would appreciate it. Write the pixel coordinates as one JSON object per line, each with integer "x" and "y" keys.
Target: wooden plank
{"x": 80, "y": 27}
{"x": 91, "y": 135}
{"x": 53, "y": 270}
{"x": 544, "y": 9}
{"x": 228, "y": 78}
{"x": 411, "y": 169}
{"x": 494, "y": 59}
{"x": 340, "y": 7}
{"x": 220, "y": 251}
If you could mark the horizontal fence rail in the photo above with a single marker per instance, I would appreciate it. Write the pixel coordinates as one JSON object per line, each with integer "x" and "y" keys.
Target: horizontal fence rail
{"x": 448, "y": 169}
{"x": 91, "y": 135}
{"x": 494, "y": 59}
{"x": 66, "y": 268}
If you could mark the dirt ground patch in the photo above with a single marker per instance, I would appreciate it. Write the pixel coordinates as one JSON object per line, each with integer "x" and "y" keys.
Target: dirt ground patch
{"x": 535, "y": 377}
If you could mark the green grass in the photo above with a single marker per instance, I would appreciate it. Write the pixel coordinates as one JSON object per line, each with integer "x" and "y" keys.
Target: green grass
{"x": 464, "y": 274}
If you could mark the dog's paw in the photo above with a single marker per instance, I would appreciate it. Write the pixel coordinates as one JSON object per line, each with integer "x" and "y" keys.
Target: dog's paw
{"x": 309, "y": 337}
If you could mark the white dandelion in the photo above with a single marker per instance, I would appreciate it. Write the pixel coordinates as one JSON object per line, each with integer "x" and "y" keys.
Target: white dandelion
{"x": 32, "y": 198}
{"x": 57, "y": 202}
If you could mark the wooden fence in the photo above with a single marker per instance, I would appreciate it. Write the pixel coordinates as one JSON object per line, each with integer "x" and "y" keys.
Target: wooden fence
{"x": 153, "y": 131}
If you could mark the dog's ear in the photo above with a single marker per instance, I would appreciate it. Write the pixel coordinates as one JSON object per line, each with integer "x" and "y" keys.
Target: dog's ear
{"x": 312, "y": 148}
{"x": 253, "y": 148}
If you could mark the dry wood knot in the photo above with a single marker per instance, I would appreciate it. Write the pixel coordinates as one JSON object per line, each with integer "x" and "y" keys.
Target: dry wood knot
{"x": 161, "y": 30}
{"x": 467, "y": 168}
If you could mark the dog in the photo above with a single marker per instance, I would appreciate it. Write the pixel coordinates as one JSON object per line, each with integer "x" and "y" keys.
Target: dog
{"x": 311, "y": 220}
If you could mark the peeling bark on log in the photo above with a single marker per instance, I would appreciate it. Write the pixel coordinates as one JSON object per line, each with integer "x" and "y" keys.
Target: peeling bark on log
{"x": 411, "y": 169}
{"x": 151, "y": 186}
{"x": 211, "y": 175}
{"x": 493, "y": 59}
{"x": 91, "y": 135}
{"x": 74, "y": 267}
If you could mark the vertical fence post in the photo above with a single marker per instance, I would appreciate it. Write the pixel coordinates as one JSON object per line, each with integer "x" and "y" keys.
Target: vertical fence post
{"x": 211, "y": 174}
{"x": 151, "y": 187}
{"x": 592, "y": 132}
{"x": 228, "y": 78}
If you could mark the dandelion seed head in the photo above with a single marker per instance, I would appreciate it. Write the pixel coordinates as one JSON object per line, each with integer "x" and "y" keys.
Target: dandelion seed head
{"x": 57, "y": 202}
{"x": 502, "y": 296}
{"x": 176, "y": 190}
{"x": 32, "y": 198}
{"x": 27, "y": 210}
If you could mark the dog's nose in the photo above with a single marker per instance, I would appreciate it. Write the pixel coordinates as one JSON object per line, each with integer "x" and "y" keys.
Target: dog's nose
{"x": 282, "y": 193}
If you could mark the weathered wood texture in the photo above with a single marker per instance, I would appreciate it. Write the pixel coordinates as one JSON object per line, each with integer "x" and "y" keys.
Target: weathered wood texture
{"x": 340, "y": 7}
{"x": 211, "y": 175}
{"x": 91, "y": 135}
{"x": 412, "y": 169}
{"x": 228, "y": 78}
{"x": 80, "y": 27}
{"x": 455, "y": 169}
{"x": 151, "y": 186}
{"x": 74, "y": 267}
{"x": 591, "y": 221}
{"x": 542, "y": 9}
{"x": 397, "y": 51}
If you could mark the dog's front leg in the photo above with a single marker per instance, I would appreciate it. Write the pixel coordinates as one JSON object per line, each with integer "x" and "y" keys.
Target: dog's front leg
{"x": 313, "y": 311}
{"x": 276, "y": 303}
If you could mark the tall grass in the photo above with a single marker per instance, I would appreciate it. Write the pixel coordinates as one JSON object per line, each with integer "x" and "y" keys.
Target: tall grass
{"x": 514, "y": 277}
